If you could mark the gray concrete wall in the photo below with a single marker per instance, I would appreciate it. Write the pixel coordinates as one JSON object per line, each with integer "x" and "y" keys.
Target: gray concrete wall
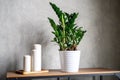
{"x": 24, "y": 23}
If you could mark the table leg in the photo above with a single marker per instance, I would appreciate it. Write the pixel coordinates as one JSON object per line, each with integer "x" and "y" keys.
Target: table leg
{"x": 117, "y": 75}
{"x": 93, "y": 77}
{"x": 69, "y": 78}
{"x": 101, "y": 77}
{"x": 58, "y": 78}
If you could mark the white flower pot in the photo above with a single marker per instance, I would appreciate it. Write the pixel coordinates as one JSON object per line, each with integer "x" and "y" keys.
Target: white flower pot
{"x": 70, "y": 61}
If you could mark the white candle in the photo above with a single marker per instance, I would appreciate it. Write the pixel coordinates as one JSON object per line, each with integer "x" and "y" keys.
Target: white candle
{"x": 36, "y": 58}
{"x": 37, "y": 47}
{"x": 27, "y": 63}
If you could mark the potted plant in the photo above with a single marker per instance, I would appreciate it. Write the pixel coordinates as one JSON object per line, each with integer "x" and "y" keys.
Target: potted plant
{"x": 68, "y": 36}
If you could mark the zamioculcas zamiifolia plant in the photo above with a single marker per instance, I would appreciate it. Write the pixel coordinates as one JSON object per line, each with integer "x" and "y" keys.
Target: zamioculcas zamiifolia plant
{"x": 67, "y": 34}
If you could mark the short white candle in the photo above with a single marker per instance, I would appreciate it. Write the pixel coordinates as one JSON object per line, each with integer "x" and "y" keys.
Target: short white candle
{"x": 27, "y": 63}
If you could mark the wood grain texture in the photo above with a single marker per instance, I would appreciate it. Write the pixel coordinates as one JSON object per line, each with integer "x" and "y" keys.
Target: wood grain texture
{"x": 60, "y": 73}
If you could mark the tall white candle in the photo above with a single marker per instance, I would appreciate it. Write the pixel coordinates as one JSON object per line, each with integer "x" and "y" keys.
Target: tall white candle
{"x": 27, "y": 63}
{"x": 37, "y": 47}
{"x": 36, "y": 58}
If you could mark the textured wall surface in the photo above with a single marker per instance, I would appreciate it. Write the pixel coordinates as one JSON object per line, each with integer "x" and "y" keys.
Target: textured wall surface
{"x": 24, "y": 23}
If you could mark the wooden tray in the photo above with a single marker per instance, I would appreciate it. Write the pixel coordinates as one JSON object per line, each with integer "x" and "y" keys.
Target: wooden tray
{"x": 37, "y": 72}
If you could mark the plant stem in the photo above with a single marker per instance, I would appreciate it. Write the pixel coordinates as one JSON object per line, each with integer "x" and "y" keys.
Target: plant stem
{"x": 63, "y": 25}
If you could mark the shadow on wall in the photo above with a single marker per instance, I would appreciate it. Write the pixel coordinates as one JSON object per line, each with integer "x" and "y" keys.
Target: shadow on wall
{"x": 101, "y": 18}
{"x": 109, "y": 48}
{"x": 29, "y": 35}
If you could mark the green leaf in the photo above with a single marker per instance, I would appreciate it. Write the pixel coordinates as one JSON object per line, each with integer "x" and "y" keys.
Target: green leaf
{"x": 54, "y": 26}
{"x": 57, "y": 10}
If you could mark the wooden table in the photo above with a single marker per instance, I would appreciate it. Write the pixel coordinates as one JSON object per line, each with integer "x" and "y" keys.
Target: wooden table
{"x": 58, "y": 74}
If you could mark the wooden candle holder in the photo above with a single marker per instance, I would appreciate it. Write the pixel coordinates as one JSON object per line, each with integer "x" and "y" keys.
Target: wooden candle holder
{"x": 37, "y": 72}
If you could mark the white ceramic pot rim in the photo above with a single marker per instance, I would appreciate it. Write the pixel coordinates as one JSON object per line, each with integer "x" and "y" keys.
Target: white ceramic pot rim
{"x": 71, "y": 51}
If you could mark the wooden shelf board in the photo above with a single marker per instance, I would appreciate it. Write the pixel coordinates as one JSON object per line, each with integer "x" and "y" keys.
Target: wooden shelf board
{"x": 82, "y": 71}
